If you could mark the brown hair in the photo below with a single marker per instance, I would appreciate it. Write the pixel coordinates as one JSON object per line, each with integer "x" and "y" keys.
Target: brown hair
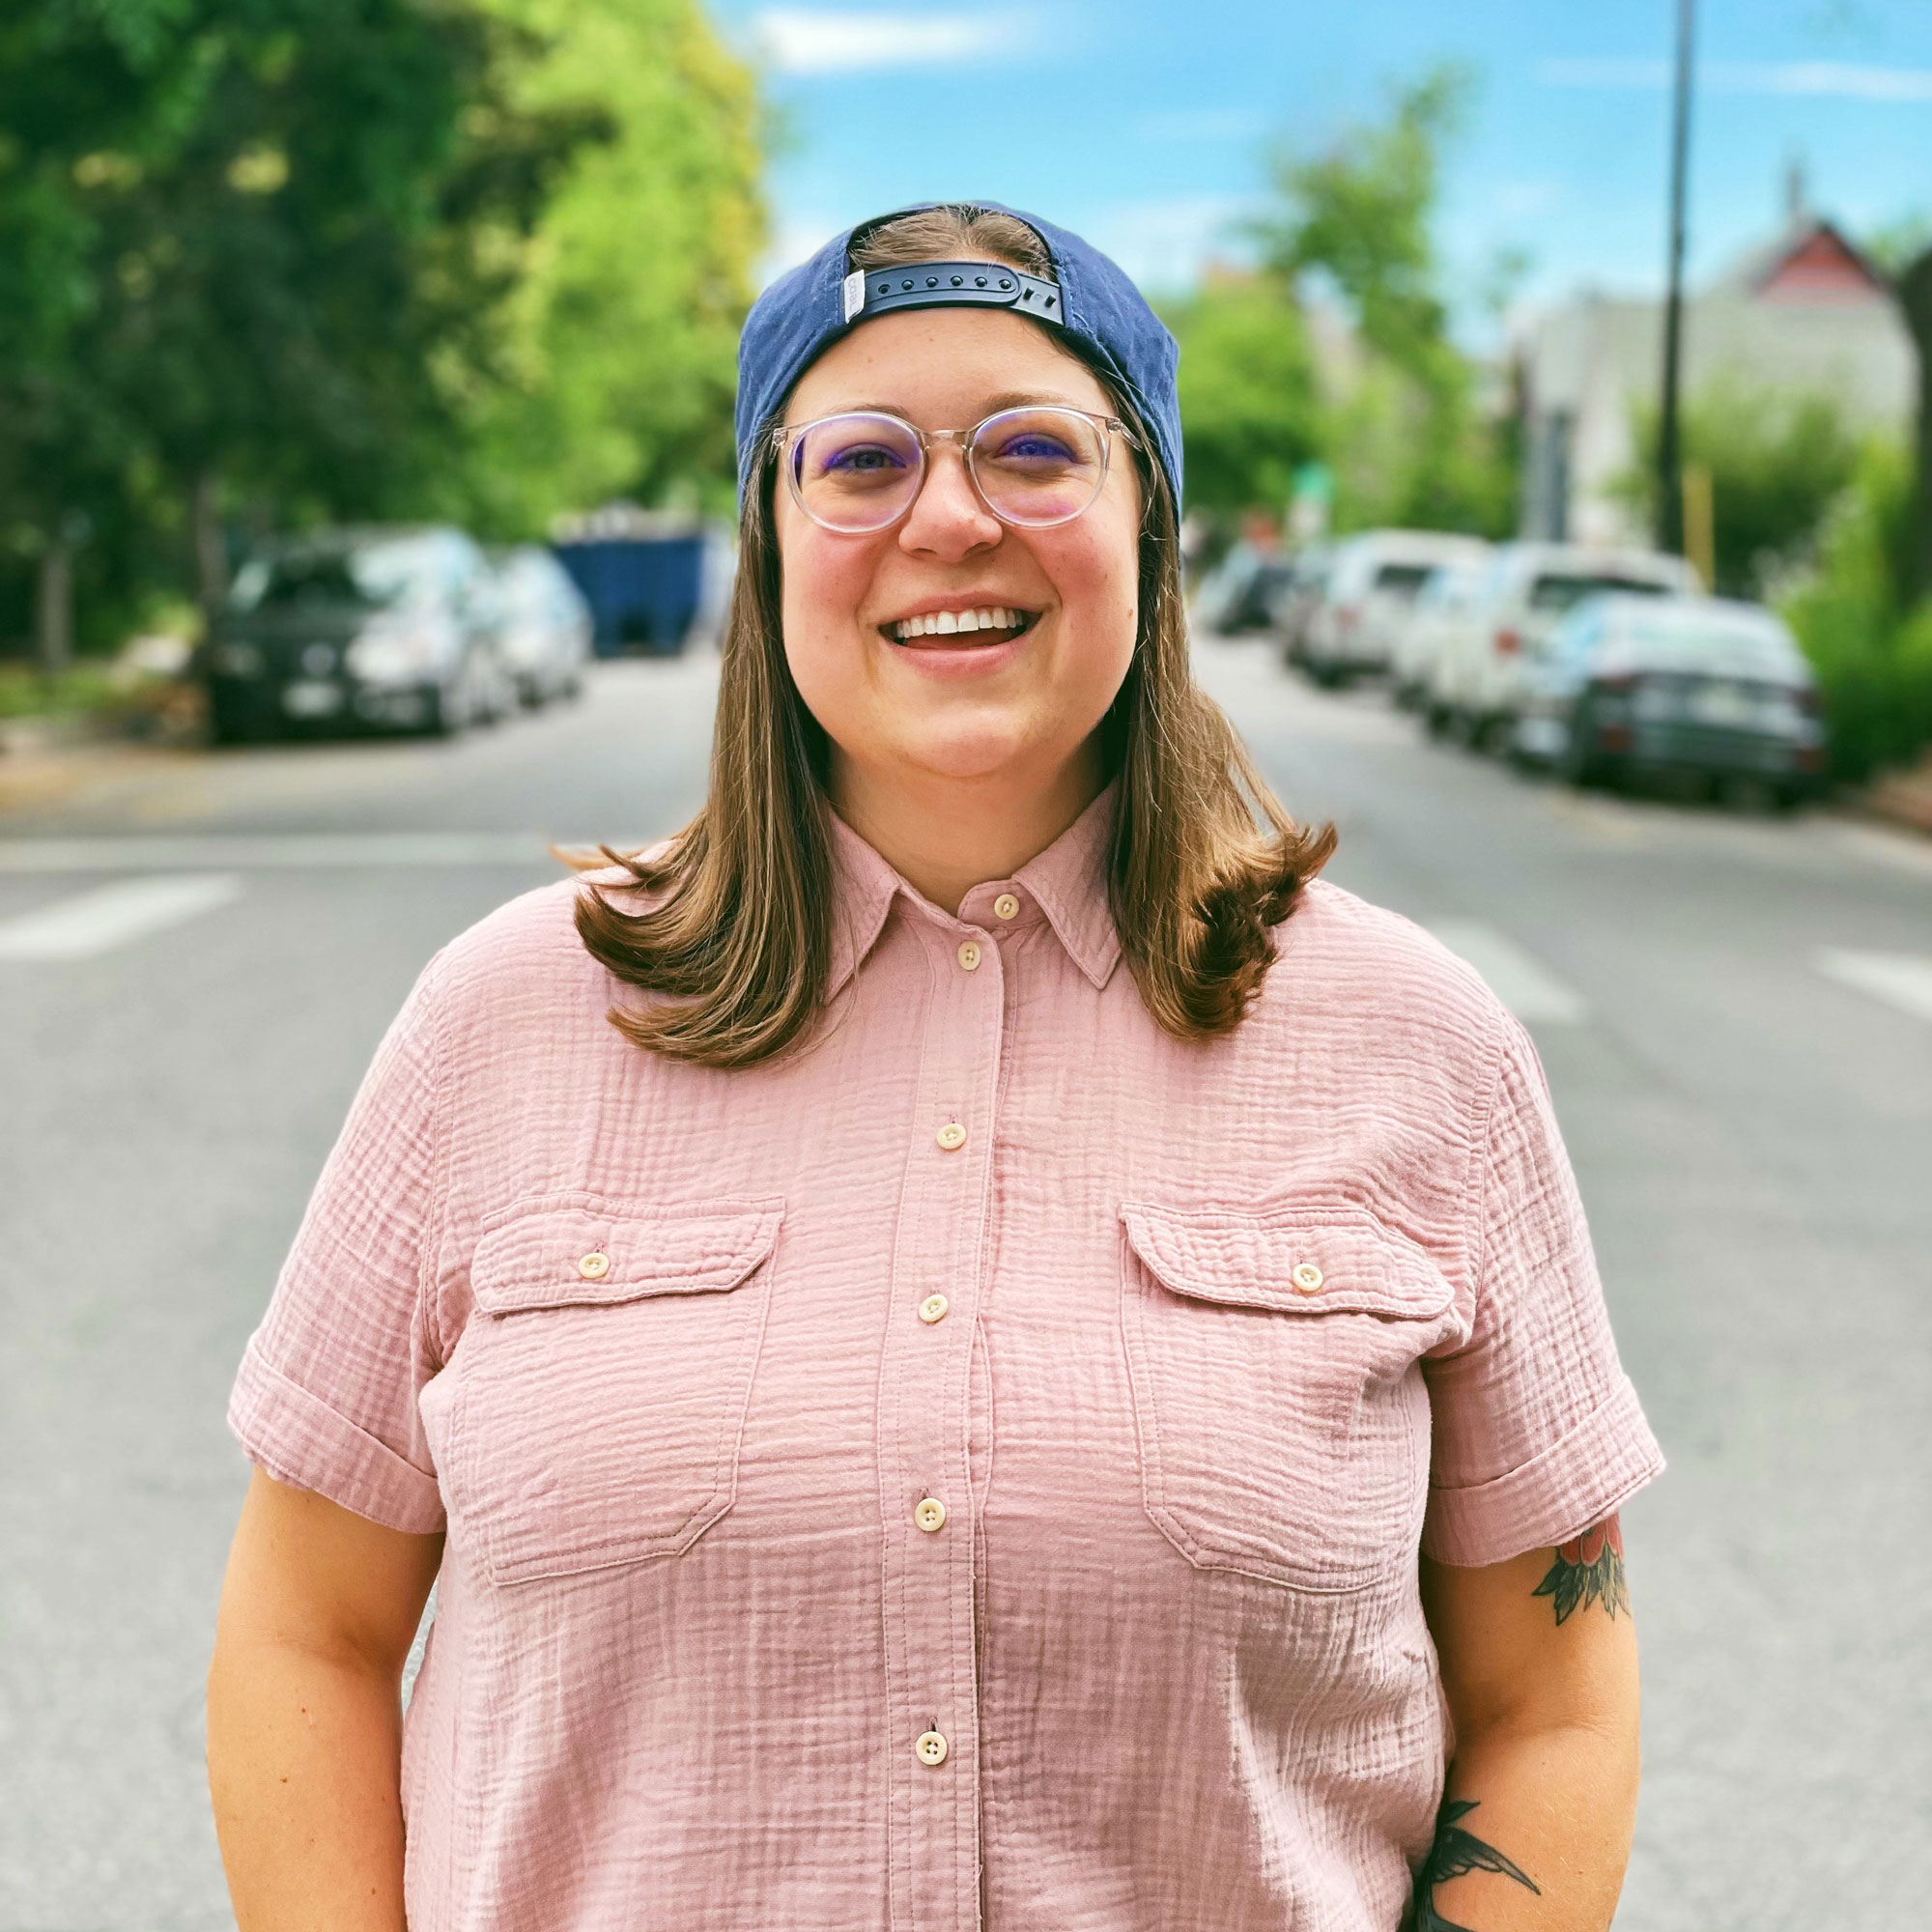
{"x": 737, "y": 934}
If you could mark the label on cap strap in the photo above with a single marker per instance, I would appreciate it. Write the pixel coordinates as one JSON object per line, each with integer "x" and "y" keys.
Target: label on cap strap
{"x": 855, "y": 293}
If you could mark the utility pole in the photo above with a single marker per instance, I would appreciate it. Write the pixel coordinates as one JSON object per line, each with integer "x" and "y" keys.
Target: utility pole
{"x": 1669, "y": 444}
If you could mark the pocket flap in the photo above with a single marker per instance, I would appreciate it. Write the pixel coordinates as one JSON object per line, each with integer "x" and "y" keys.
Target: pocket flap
{"x": 575, "y": 1250}
{"x": 1316, "y": 1259}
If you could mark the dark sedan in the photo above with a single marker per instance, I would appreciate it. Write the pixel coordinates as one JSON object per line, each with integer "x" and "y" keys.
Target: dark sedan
{"x": 1696, "y": 684}
{"x": 356, "y": 627}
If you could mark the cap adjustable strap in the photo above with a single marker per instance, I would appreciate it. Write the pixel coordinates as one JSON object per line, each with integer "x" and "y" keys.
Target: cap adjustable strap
{"x": 871, "y": 292}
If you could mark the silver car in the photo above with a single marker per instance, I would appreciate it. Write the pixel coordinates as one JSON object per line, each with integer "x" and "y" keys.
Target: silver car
{"x": 543, "y": 624}
{"x": 1696, "y": 684}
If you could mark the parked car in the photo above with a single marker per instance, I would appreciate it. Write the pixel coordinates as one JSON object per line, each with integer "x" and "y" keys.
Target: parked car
{"x": 373, "y": 627}
{"x": 1696, "y": 684}
{"x": 1476, "y": 670}
{"x": 1351, "y": 629}
{"x": 1447, "y": 596}
{"x": 1299, "y": 593}
{"x": 1238, "y": 594}
{"x": 543, "y": 624}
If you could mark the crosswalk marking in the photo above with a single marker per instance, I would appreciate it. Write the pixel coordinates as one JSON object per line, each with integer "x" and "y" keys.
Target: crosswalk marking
{"x": 1519, "y": 980}
{"x": 97, "y": 922}
{"x": 276, "y": 852}
{"x": 1901, "y": 979}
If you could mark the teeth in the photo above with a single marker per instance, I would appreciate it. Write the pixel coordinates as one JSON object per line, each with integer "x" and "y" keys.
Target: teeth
{"x": 947, "y": 623}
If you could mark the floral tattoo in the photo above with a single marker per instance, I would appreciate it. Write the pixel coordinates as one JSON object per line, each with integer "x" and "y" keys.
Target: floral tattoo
{"x": 1588, "y": 1571}
{"x": 1454, "y": 1853}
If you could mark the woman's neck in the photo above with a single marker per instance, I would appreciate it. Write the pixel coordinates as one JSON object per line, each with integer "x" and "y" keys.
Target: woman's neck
{"x": 945, "y": 836}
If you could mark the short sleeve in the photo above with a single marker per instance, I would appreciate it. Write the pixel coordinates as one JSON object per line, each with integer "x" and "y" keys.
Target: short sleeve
{"x": 1537, "y": 1431}
{"x": 327, "y": 1395}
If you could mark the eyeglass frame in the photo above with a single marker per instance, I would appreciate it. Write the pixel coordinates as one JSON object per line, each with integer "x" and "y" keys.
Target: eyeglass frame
{"x": 782, "y": 436}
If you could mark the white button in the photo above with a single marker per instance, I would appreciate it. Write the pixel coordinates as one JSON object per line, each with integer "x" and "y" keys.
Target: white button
{"x": 1005, "y": 906}
{"x": 931, "y": 1748}
{"x": 594, "y": 1267}
{"x": 930, "y": 1514}
{"x": 933, "y": 1308}
{"x": 951, "y": 1136}
{"x": 1307, "y": 1277}
{"x": 969, "y": 955}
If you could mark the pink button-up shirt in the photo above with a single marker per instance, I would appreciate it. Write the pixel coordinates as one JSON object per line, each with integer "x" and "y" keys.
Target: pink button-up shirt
{"x": 967, "y": 1472}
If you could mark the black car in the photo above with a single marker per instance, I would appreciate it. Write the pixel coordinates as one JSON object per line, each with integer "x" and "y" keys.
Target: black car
{"x": 370, "y": 628}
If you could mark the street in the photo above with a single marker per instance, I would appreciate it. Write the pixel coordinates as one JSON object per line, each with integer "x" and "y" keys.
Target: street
{"x": 197, "y": 957}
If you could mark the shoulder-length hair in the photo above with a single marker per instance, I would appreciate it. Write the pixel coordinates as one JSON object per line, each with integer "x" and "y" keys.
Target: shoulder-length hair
{"x": 735, "y": 934}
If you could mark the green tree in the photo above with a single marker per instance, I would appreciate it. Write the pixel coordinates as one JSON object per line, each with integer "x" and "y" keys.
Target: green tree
{"x": 1411, "y": 444}
{"x": 1778, "y": 465}
{"x": 1250, "y": 412}
{"x": 622, "y": 365}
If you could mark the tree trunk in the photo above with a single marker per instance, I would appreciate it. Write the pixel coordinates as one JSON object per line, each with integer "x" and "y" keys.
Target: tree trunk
{"x": 53, "y": 608}
{"x": 1915, "y": 298}
{"x": 211, "y": 550}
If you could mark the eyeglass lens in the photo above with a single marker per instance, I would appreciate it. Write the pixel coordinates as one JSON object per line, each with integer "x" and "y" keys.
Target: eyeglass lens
{"x": 1032, "y": 467}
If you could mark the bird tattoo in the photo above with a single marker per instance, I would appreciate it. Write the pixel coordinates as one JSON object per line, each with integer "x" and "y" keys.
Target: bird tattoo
{"x": 1456, "y": 1850}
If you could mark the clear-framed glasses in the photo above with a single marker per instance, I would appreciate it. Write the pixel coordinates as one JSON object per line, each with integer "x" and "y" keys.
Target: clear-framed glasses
{"x": 1032, "y": 467}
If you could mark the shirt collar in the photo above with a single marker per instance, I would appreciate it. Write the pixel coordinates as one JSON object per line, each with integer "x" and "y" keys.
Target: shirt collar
{"x": 1069, "y": 881}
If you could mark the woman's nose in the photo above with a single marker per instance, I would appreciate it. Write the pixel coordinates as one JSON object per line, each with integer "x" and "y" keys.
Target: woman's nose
{"x": 947, "y": 518}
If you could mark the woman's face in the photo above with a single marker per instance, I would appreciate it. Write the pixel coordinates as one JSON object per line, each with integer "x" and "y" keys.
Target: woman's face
{"x": 1015, "y": 704}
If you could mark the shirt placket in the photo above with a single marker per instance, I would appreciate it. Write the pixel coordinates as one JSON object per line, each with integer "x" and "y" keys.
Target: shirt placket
{"x": 924, "y": 1479}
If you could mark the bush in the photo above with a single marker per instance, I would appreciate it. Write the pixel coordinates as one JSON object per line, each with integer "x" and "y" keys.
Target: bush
{"x": 1871, "y": 650}
{"x": 1777, "y": 464}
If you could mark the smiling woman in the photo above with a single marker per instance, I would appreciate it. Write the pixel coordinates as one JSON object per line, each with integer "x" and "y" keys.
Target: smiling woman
{"x": 951, "y": 1434}
{"x": 738, "y": 931}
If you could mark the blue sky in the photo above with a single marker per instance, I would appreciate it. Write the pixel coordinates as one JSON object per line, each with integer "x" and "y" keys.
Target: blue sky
{"x": 1144, "y": 123}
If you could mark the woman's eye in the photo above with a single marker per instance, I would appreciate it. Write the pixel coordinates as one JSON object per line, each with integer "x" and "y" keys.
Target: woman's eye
{"x": 862, "y": 459}
{"x": 1033, "y": 447}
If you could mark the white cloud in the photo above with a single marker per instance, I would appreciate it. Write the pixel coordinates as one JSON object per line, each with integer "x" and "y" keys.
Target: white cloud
{"x": 811, "y": 41}
{"x": 1835, "y": 80}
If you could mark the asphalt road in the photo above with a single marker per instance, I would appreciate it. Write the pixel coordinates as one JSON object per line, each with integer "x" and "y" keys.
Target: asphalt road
{"x": 198, "y": 953}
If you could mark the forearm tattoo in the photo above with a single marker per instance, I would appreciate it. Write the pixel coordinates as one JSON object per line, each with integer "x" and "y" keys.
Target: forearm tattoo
{"x": 1589, "y": 1571}
{"x": 1454, "y": 1853}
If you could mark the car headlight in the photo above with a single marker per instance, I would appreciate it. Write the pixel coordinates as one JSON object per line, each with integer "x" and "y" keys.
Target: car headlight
{"x": 393, "y": 654}
{"x": 236, "y": 661}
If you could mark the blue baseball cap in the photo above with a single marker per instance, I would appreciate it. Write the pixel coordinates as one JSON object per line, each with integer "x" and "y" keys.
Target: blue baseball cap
{"x": 1089, "y": 298}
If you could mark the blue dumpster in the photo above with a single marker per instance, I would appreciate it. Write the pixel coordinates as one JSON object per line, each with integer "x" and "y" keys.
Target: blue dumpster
{"x": 644, "y": 592}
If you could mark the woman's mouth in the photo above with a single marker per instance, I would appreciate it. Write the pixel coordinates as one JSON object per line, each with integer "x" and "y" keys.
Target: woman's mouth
{"x": 971, "y": 627}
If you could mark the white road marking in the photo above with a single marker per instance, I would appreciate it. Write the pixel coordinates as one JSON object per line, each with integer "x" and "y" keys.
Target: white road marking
{"x": 110, "y": 915}
{"x": 1901, "y": 979}
{"x": 1521, "y": 982}
{"x": 272, "y": 852}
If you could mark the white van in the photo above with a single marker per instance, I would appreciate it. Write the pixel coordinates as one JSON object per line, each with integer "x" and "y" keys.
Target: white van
{"x": 1368, "y": 596}
{"x": 1476, "y": 683}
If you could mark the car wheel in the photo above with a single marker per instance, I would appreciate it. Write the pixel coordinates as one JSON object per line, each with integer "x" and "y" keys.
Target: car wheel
{"x": 1579, "y": 763}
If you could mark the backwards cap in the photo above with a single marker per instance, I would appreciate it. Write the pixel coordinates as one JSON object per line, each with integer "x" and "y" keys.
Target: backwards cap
{"x": 1089, "y": 299}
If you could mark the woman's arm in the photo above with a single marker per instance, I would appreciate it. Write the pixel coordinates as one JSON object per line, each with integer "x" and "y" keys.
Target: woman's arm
{"x": 1539, "y": 1662}
{"x": 304, "y": 1712}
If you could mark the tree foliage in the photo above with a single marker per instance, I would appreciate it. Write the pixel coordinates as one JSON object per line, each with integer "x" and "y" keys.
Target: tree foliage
{"x": 1250, "y": 411}
{"x": 1777, "y": 464}
{"x": 1404, "y": 428}
{"x": 288, "y": 258}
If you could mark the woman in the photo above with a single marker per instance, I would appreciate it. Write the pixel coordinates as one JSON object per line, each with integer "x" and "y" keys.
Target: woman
{"x": 967, "y": 1342}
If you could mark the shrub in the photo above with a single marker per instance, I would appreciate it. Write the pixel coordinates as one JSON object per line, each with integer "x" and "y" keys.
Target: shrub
{"x": 1871, "y": 650}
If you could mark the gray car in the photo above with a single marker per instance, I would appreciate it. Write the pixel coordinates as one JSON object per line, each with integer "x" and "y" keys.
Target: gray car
{"x": 375, "y": 627}
{"x": 1700, "y": 685}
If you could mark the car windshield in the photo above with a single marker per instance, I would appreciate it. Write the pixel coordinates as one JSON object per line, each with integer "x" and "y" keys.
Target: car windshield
{"x": 1403, "y": 580}
{"x": 1558, "y": 592}
{"x": 375, "y": 576}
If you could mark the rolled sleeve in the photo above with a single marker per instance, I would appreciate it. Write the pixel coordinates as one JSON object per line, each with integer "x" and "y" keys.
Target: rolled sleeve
{"x": 326, "y": 1396}
{"x": 1537, "y": 1432}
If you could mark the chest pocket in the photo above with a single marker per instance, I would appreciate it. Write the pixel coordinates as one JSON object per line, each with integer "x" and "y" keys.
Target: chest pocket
{"x": 603, "y": 1380}
{"x": 1278, "y": 1401}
